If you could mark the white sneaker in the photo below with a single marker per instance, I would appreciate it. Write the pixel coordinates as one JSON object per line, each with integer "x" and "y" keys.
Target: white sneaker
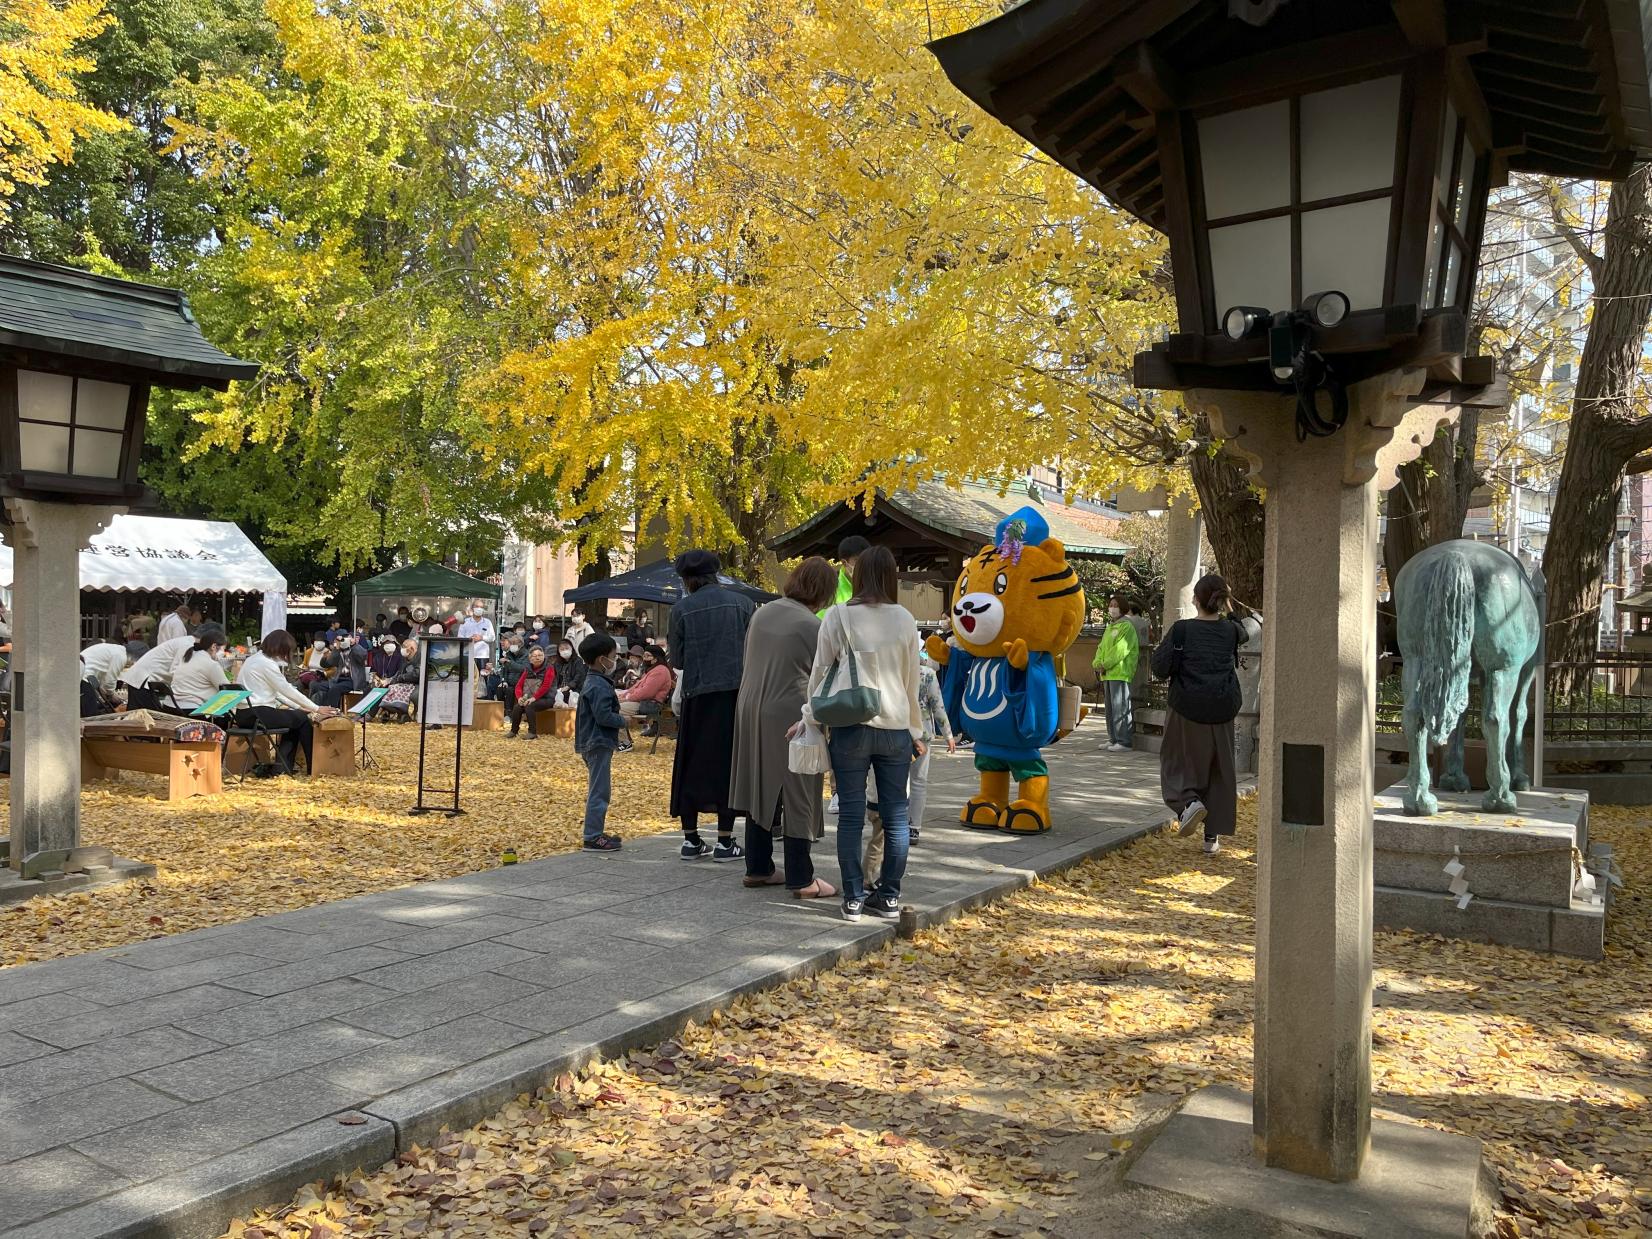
{"x": 831, "y": 805}
{"x": 1192, "y": 818}
{"x": 1212, "y": 846}
{"x": 1118, "y": 748}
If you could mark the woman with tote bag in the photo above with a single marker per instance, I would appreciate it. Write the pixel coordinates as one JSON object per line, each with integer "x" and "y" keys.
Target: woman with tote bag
{"x": 864, "y": 687}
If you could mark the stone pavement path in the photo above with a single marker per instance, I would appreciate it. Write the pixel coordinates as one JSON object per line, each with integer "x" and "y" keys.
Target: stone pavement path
{"x": 161, "y": 1088}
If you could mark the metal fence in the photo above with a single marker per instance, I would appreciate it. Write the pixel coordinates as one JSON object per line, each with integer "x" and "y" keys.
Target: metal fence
{"x": 1616, "y": 708}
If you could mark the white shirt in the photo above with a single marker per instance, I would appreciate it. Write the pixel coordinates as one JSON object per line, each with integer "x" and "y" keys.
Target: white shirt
{"x": 103, "y": 663}
{"x": 885, "y": 641}
{"x": 477, "y": 627}
{"x": 261, "y": 676}
{"x": 577, "y": 633}
{"x": 196, "y": 679}
{"x": 171, "y": 628}
{"x": 158, "y": 664}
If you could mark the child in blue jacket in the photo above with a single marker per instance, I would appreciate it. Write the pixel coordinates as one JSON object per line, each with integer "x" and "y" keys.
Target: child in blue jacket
{"x": 597, "y": 724}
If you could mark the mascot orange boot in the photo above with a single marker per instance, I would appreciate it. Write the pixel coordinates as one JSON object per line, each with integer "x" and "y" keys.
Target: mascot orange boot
{"x": 1016, "y": 607}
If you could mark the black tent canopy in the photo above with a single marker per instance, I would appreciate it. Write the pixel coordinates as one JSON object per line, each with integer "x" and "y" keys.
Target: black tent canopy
{"x": 655, "y": 582}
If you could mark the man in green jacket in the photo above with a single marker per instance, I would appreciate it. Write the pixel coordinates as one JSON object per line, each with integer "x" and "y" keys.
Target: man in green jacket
{"x": 848, "y": 550}
{"x": 1115, "y": 659}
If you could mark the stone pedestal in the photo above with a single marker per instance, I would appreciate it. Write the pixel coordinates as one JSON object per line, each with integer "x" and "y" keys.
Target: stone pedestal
{"x": 43, "y": 851}
{"x": 1520, "y": 869}
{"x": 1315, "y": 770}
{"x": 1181, "y": 558}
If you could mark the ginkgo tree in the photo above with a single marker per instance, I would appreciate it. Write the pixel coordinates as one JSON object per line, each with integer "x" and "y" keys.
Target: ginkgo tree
{"x": 42, "y": 114}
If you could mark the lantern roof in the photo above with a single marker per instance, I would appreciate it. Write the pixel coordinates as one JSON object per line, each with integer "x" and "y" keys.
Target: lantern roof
{"x": 51, "y": 311}
{"x": 1563, "y": 82}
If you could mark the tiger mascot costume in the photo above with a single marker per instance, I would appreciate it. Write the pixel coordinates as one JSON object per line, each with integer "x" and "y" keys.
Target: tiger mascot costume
{"x": 1017, "y": 606}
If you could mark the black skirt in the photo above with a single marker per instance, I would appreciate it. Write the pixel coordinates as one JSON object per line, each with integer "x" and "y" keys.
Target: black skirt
{"x": 705, "y": 751}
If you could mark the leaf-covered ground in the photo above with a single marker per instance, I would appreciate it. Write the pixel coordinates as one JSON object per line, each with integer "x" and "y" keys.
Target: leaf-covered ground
{"x": 979, "y": 1079}
{"x": 277, "y": 844}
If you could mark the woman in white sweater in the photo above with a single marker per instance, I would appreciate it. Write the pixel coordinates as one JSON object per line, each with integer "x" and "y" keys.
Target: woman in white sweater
{"x": 884, "y": 639}
{"x": 198, "y": 673}
{"x": 276, "y": 703}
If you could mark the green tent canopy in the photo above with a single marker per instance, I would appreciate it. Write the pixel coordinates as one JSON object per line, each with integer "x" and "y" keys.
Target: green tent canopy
{"x": 424, "y": 583}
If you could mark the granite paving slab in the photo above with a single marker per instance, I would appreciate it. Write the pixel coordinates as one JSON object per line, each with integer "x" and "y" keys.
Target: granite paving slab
{"x": 161, "y": 1088}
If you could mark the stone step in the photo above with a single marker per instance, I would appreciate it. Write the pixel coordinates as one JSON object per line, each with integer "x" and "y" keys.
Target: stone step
{"x": 1578, "y": 929}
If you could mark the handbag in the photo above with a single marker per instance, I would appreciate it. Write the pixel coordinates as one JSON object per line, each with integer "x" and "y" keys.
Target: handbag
{"x": 807, "y": 754}
{"x": 847, "y": 706}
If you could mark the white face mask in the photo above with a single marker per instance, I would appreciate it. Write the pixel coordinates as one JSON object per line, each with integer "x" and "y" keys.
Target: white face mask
{"x": 389, "y": 647}
{"x": 477, "y": 611}
{"x": 538, "y": 625}
{"x": 566, "y": 652}
{"x": 1113, "y": 612}
{"x": 321, "y": 645}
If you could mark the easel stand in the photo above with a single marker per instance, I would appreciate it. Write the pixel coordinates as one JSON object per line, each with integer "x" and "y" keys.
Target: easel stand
{"x": 457, "y": 727}
{"x": 364, "y": 759}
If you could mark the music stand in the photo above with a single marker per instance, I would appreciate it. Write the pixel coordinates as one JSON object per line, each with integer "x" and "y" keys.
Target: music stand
{"x": 369, "y": 702}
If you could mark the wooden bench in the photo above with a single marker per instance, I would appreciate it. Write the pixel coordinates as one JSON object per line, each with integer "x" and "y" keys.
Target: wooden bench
{"x": 665, "y": 722}
{"x": 487, "y": 715}
{"x": 193, "y": 768}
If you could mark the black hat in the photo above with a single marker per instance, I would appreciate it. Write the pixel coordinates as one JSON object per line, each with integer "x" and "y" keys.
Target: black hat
{"x": 698, "y": 563}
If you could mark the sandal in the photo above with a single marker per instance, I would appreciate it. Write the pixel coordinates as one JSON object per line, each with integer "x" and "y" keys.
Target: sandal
{"x": 818, "y": 889}
{"x": 776, "y": 878}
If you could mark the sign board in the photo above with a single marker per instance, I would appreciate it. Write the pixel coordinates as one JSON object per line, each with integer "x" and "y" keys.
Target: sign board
{"x": 446, "y": 697}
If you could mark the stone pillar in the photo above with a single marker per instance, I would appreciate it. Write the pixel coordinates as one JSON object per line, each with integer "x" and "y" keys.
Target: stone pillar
{"x": 1312, "y": 1101}
{"x": 46, "y": 540}
{"x": 1181, "y": 558}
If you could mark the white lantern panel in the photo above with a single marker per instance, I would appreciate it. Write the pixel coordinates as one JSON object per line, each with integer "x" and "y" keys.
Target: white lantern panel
{"x": 101, "y": 404}
{"x": 44, "y": 397}
{"x": 44, "y": 449}
{"x": 1453, "y": 273}
{"x": 1345, "y": 248}
{"x": 97, "y": 453}
{"x": 1432, "y": 276}
{"x": 1348, "y": 137}
{"x": 1250, "y": 264}
{"x": 1465, "y": 187}
{"x": 1448, "y": 152}
{"x": 1246, "y": 157}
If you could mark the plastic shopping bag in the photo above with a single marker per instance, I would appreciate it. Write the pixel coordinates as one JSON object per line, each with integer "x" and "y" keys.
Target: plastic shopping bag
{"x": 807, "y": 753}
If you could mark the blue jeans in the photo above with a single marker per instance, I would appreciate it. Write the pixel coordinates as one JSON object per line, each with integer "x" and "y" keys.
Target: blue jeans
{"x": 1121, "y": 724}
{"x": 888, "y": 755}
{"x": 598, "y": 790}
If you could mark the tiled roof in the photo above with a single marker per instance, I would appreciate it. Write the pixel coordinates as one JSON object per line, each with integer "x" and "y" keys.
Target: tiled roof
{"x": 51, "y": 309}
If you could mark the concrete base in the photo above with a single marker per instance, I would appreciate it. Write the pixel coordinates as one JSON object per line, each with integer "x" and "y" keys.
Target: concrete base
{"x": 1576, "y": 930}
{"x": 105, "y": 872}
{"x": 1522, "y": 857}
{"x": 1417, "y": 1183}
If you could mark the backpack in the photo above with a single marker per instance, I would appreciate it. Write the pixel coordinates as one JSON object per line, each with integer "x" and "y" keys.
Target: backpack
{"x": 1203, "y": 694}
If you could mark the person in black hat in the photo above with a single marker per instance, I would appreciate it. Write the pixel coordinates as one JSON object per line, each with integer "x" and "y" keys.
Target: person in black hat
{"x": 708, "y": 648}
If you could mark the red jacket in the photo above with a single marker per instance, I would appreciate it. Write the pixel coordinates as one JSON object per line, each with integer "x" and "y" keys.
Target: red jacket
{"x": 546, "y": 683}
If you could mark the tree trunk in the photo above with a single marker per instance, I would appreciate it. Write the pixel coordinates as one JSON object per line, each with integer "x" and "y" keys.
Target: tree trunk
{"x": 600, "y": 568}
{"x": 1607, "y": 431}
{"x": 1233, "y": 522}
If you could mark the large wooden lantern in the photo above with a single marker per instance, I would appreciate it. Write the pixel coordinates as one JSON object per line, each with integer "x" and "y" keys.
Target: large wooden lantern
{"x": 1321, "y": 171}
{"x": 79, "y": 354}
{"x": 1291, "y": 150}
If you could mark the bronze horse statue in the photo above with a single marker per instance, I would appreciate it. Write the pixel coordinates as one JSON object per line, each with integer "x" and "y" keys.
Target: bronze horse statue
{"x": 1466, "y": 604}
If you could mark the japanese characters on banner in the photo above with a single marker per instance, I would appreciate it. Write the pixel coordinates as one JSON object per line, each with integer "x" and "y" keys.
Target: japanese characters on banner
{"x": 445, "y": 669}
{"x": 116, "y": 550}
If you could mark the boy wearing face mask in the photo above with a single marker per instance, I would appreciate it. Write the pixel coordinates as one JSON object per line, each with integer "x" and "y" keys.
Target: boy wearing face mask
{"x": 597, "y": 725}
{"x": 1115, "y": 661}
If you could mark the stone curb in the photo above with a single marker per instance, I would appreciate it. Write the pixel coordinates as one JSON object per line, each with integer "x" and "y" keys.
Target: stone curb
{"x": 203, "y": 1200}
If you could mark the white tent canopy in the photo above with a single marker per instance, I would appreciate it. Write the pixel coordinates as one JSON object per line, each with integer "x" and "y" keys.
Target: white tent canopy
{"x": 170, "y": 553}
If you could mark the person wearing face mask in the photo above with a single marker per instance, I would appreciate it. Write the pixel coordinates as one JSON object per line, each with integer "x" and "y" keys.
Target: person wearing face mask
{"x": 569, "y": 670}
{"x": 513, "y": 661}
{"x": 199, "y": 674}
{"x": 402, "y": 626}
{"x": 540, "y": 634}
{"x": 578, "y": 629}
{"x": 477, "y": 626}
{"x": 1115, "y": 662}
{"x": 597, "y": 726}
{"x": 397, "y": 705}
{"x": 384, "y": 663}
{"x": 647, "y": 697}
{"x": 330, "y": 686}
{"x": 630, "y": 669}
{"x": 533, "y": 693}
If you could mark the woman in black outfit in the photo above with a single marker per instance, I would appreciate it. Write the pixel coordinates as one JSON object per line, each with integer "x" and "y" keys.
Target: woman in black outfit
{"x": 1200, "y": 657}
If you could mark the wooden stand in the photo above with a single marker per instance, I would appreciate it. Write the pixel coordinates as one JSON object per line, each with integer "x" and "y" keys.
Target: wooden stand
{"x": 555, "y": 722}
{"x": 192, "y": 768}
{"x": 488, "y": 716}
{"x": 335, "y": 748}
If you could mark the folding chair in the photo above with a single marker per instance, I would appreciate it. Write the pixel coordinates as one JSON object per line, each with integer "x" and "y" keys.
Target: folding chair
{"x": 222, "y": 707}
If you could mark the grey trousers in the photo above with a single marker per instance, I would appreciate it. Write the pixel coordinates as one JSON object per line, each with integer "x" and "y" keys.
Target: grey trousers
{"x": 1196, "y": 763}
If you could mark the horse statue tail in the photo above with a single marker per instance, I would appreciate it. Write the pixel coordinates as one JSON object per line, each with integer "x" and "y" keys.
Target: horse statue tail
{"x": 1448, "y": 630}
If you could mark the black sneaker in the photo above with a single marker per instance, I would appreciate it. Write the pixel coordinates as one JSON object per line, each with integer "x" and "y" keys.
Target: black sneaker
{"x": 884, "y": 907}
{"x": 625, "y": 746}
{"x": 852, "y": 908}
{"x": 603, "y": 843}
{"x": 693, "y": 849}
{"x": 912, "y": 837}
{"x": 728, "y": 849}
